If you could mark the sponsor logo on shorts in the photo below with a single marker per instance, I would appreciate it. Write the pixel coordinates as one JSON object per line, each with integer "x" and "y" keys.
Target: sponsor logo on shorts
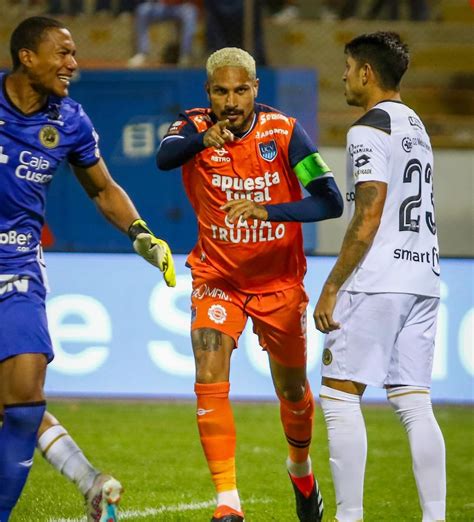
{"x": 217, "y": 313}
{"x": 203, "y": 291}
{"x": 327, "y": 357}
{"x": 12, "y": 282}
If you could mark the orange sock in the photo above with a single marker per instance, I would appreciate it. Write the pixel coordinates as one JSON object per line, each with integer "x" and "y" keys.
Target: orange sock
{"x": 297, "y": 420}
{"x": 217, "y": 431}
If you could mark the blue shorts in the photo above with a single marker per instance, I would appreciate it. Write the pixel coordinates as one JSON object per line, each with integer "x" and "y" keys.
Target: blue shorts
{"x": 23, "y": 322}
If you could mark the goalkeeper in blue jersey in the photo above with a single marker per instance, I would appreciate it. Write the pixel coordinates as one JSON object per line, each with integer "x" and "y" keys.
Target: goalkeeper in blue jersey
{"x": 40, "y": 126}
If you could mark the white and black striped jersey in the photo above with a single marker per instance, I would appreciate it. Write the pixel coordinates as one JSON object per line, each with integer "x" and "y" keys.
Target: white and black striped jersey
{"x": 390, "y": 144}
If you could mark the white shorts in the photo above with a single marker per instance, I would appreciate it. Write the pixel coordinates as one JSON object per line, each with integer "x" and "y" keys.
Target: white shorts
{"x": 384, "y": 339}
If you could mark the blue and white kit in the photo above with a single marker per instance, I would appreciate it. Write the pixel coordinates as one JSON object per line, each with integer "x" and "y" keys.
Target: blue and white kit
{"x": 31, "y": 149}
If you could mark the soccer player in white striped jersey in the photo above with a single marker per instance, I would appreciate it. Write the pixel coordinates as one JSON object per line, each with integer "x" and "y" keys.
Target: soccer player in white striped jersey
{"x": 379, "y": 304}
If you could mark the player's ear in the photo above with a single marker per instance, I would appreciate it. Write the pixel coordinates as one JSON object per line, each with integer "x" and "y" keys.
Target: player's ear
{"x": 366, "y": 72}
{"x": 256, "y": 84}
{"x": 26, "y": 57}
{"x": 208, "y": 90}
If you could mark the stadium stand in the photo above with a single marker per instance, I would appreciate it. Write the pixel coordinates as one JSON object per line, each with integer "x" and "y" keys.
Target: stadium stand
{"x": 440, "y": 85}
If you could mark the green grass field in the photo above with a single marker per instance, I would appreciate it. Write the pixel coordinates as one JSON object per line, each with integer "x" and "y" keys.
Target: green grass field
{"x": 153, "y": 448}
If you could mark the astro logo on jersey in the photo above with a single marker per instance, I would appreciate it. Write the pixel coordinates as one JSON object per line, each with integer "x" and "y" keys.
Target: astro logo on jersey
{"x": 3, "y": 157}
{"x": 220, "y": 156}
{"x": 361, "y": 161}
{"x": 49, "y": 137}
{"x": 268, "y": 150}
{"x": 31, "y": 166}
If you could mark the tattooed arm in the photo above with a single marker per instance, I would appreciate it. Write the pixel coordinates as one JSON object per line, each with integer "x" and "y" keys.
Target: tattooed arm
{"x": 369, "y": 203}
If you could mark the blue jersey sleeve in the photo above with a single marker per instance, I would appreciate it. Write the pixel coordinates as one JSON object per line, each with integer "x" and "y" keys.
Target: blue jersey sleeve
{"x": 180, "y": 144}
{"x": 300, "y": 145}
{"x": 86, "y": 153}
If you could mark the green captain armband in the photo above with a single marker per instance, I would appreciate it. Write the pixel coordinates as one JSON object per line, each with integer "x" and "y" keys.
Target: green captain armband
{"x": 310, "y": 168}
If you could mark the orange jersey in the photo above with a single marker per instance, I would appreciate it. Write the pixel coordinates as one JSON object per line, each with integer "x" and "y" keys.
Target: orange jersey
{"x": 254, "y": 256}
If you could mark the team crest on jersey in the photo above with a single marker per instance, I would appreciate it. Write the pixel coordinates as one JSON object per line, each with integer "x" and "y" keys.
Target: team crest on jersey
{"x": 268, "y": 150}
{"x": 49, "y": 137}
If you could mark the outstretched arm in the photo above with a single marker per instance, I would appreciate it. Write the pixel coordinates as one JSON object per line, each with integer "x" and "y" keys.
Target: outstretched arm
{"x": 369, "y": 202}
{"x": 117, "y": 207}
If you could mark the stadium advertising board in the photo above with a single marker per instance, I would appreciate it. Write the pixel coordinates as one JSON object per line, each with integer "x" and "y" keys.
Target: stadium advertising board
{"x": 118, "y": 330}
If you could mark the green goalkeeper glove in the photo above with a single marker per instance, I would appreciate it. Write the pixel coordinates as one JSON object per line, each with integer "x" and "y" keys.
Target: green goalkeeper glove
{"x": 154, "y": 250}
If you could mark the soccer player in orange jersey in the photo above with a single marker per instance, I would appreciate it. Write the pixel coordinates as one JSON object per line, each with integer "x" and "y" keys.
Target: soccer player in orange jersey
{"x": 242, "y": 165}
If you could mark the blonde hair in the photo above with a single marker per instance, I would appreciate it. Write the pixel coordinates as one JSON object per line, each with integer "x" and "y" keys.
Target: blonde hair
{"x": 231, "y": 57}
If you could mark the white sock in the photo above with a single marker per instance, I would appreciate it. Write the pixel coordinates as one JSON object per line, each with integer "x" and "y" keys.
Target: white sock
{"x": 299, "y": 469}
{"x": 64, "y": 454}
{"x": 347, "y": 450}
{"x": 413, "y": 406}
{"x": 229, "y": 498}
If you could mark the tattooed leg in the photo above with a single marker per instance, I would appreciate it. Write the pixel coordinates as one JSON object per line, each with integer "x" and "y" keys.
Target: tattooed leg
{"x": 212, "y": 352}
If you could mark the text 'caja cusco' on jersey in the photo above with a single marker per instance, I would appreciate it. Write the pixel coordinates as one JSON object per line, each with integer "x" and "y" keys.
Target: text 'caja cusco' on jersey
{"x": 31, "y": 149}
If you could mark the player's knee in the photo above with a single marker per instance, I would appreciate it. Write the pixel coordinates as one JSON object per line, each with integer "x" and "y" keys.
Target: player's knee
{"x": 410, "y": 402}
{"x": 291, "y": 392}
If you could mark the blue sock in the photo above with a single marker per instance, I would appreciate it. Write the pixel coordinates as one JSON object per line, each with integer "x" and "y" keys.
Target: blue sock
{"x": 17, "y": 445}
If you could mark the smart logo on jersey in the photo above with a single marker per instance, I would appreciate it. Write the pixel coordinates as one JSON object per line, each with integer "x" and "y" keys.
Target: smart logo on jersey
{"x": 49, "y": 137}
{"x": 31, "y": 166}
{"x": 268, "y": 150}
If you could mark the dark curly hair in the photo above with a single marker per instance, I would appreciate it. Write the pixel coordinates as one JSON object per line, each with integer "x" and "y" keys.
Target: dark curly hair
{"x": 385, "y": 52}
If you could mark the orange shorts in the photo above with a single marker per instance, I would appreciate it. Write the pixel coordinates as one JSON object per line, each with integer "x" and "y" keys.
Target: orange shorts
{"x": 279, "y": 318}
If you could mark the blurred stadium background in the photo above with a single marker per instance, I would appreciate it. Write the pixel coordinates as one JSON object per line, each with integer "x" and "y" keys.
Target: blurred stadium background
{"x": 119, "y": 332}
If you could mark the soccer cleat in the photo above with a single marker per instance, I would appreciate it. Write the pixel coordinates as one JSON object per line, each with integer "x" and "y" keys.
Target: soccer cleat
{"x": 309, "y": 508}
{"x": 227, "y": 514}
{"x": 102, "y": 499}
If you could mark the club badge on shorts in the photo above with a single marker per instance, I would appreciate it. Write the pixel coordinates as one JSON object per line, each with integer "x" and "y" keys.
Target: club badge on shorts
{"x": 327, "y": 357}
{"x": 217, "y": 313}
{"x": 49, "y": 137}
